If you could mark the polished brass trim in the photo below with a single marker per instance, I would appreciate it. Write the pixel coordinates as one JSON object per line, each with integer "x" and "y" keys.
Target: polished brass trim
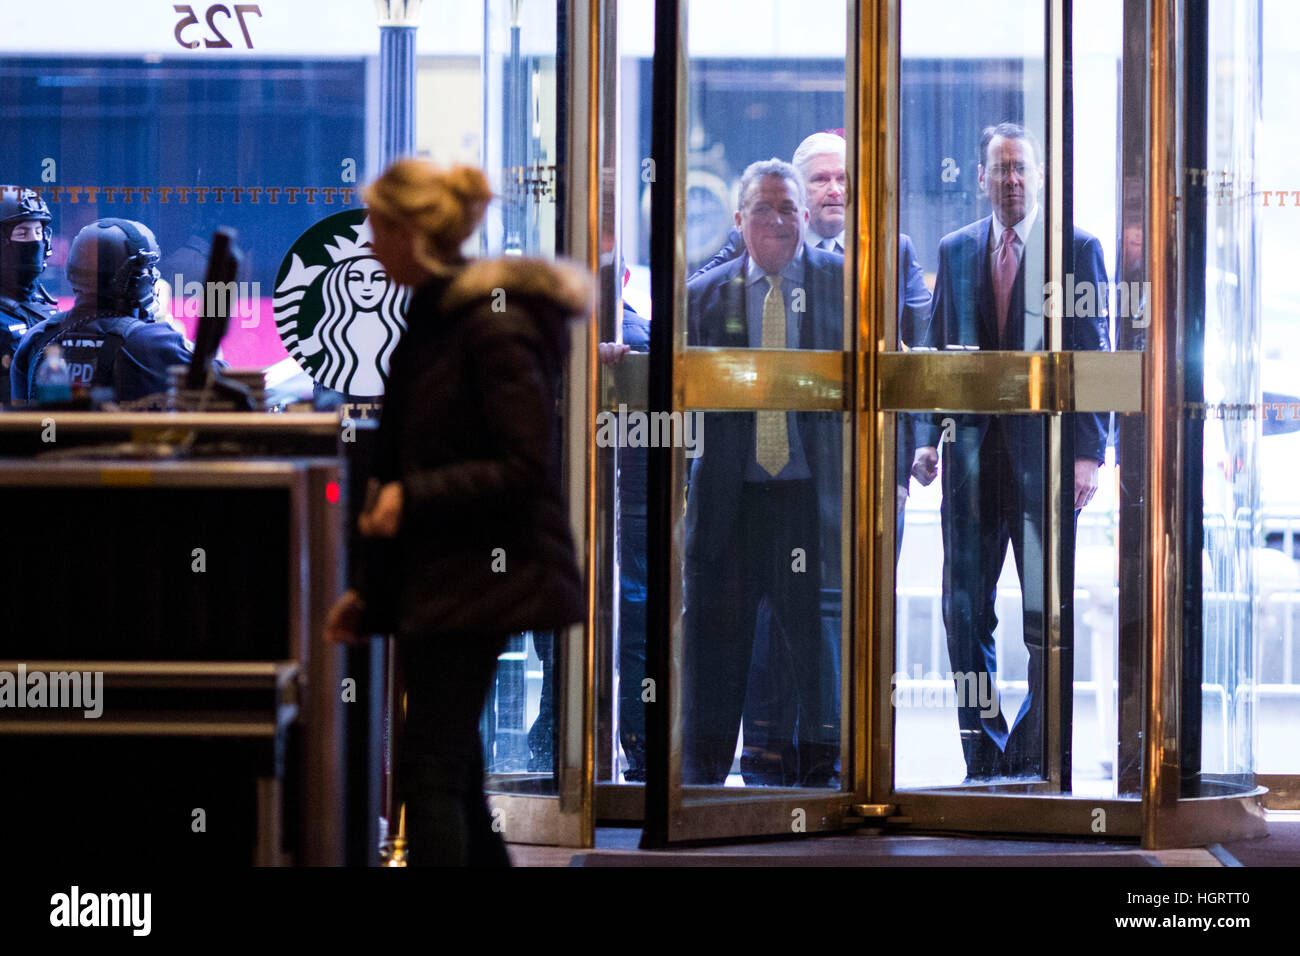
{"x": 537, "y": 820}
{"x": 1056, "y": 159}
{"x": 1283, "y": 790}
{"x": 620, "y": 802}
{"x": 873, "y": 811}
{"x": 1016, "y": 813}
{"x": 720, "y": 818}
{"x": 1052, "y": 552}
{"x": 1011, "y": 382}
{"x": 874, "y": 152}
{"x": 317, "y": 423}
{"x": 576, "y": 757}
{"x": 1131, "y": 438}
{"x": 793, "y": 379}
{"x": 678, "y": 476}
{"x": 1053, "y": 690}
{"x": 192, "y": 473}
{"x": 1164, "y": 401}
{"x": 157, "y": 724}
{"x": 171, "y": 673}
{"x": 626, "y": 384}
{"x": 1104, "y": 382}
{"x": 600, "y": 17}
{"x": 1201, "y": 820}
{"x": 567, "y": 819}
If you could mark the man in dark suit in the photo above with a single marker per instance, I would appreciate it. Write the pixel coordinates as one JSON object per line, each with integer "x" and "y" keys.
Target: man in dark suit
{"x": 820, "y": 160}
{"x": 763, "y": 513}
{"x": 913, "y": 310}
{"x": 989, "y": 294}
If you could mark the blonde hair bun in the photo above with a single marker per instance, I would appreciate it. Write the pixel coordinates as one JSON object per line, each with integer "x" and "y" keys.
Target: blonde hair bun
{"x": 442, "y": 206}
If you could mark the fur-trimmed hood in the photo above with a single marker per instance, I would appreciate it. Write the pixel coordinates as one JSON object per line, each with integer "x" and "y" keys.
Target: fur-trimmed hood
{"x": 560, "y": 287}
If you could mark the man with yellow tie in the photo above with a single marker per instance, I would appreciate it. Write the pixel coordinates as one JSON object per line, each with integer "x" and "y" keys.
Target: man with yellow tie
{"x": 763, "y": 512}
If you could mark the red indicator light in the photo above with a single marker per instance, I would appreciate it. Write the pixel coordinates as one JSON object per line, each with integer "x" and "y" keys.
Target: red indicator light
{"x": 332, "y": 492}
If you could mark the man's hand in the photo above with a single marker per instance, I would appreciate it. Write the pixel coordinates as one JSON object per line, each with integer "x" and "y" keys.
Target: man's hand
{"x": 1085, "y": 481}
{"x": 900, "y": 499}
{"x": 925, "y": 464}
{"x": 344, "y": 619}
{"x": 611, "y": 353}
{"x": 382, "y": 518}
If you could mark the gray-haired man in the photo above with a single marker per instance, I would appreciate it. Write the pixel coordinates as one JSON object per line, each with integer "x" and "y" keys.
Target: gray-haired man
{"x": 763, "y": 515}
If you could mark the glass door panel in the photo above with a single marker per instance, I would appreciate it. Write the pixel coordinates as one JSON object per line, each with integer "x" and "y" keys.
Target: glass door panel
{"x": 1225, "y": 431}
{"x": 1278, "y": 575}
{"x": 1005, "y": 583}
{"x": 759, "y": 559}
{"x": 761, "y": 570}
{"x": 535, "y": 726}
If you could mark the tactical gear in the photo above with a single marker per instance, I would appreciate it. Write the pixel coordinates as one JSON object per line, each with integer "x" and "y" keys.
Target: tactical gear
{"x": 22, "y": 262}
{"x": 112, "y": 266}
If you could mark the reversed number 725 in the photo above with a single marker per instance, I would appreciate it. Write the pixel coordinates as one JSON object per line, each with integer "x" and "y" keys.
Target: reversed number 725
{"x": 216, "y": 8}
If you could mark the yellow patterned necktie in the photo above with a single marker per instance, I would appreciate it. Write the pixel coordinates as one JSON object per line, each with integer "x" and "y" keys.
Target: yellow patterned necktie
{"x": 772, "y": 441}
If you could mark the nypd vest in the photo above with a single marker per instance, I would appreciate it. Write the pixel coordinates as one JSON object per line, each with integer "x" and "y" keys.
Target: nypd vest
{"x": 90, "y": 351}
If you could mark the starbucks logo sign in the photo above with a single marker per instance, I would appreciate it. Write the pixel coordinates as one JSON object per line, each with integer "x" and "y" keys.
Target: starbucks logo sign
{"x": 338, "y": 312}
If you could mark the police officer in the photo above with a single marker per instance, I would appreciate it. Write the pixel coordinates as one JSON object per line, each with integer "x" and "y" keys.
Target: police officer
{"x": 24, "y": 247}
{"x": 109, "y": 338}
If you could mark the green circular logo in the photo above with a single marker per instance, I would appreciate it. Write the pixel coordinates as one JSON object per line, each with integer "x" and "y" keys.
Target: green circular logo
{"x": 338, "y": 312}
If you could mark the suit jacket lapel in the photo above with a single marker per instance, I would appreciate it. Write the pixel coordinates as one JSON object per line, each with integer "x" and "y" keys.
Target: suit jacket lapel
{"x": 985, "y": 306}
{"x": 733, "y": 314}
{"x": 807, "y": 318}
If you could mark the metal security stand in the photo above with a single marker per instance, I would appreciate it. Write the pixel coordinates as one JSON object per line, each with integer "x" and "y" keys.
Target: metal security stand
{"x": 392, "y": 849}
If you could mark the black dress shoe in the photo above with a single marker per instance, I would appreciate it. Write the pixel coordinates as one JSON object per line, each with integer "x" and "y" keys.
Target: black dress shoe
{"x": 987, "y": 764}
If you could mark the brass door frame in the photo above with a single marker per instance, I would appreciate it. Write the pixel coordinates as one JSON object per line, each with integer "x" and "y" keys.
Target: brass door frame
{"x": 1032, "y": 382}
{"x": 872, "y": 379}
{"x": 567, "y": 816}
{"x": 713, "y": 379}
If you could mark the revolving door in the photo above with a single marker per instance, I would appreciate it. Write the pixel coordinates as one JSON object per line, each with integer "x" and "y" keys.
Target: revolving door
{"x": 993, "y": 579}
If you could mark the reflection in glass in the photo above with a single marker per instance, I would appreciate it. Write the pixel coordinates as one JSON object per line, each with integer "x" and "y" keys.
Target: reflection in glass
{"x": 1278, "y": 574}
{"x": 763, "y": 528}
{"x": 187, "y": 145}
{"x": 1220, "y": 712}
{"x": 519, "y": 150}
{"x": 517, "y": 727}
{"x": 767, "y": 199}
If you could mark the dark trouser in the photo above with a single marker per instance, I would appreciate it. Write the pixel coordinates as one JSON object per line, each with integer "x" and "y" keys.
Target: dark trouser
{"x": 722, "y": 605}
{"x": 772, "y": 702}
{"x": 440, "y": 767}
{"x": 631, "y": 641}
{"x": 541, "y": 736}
{"x": 999, "y": 503}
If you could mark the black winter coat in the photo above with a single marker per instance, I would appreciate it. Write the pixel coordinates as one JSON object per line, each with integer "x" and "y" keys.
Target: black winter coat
{"x": 470, "y": 429}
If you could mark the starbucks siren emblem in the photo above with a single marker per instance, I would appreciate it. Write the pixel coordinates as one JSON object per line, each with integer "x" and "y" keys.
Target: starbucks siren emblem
{"x": 337, "y": 311}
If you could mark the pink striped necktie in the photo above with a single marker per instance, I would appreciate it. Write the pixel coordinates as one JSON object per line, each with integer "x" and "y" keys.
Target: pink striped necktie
{"x": 1004, "y": 277}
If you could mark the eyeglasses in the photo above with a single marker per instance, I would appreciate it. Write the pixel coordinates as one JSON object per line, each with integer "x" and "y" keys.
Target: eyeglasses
{"x": 1001, "y": 170}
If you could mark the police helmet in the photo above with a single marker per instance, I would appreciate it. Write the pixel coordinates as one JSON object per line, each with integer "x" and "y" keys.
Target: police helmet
{"x": 113, "y": 260}
{"x": 23, "y": 205}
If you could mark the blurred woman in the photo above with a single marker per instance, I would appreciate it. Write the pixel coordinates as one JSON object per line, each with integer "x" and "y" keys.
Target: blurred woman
{"x": 467, "y": 484}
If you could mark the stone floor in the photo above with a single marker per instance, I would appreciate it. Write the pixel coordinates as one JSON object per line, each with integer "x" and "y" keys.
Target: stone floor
{"x": 618, "y": 847}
